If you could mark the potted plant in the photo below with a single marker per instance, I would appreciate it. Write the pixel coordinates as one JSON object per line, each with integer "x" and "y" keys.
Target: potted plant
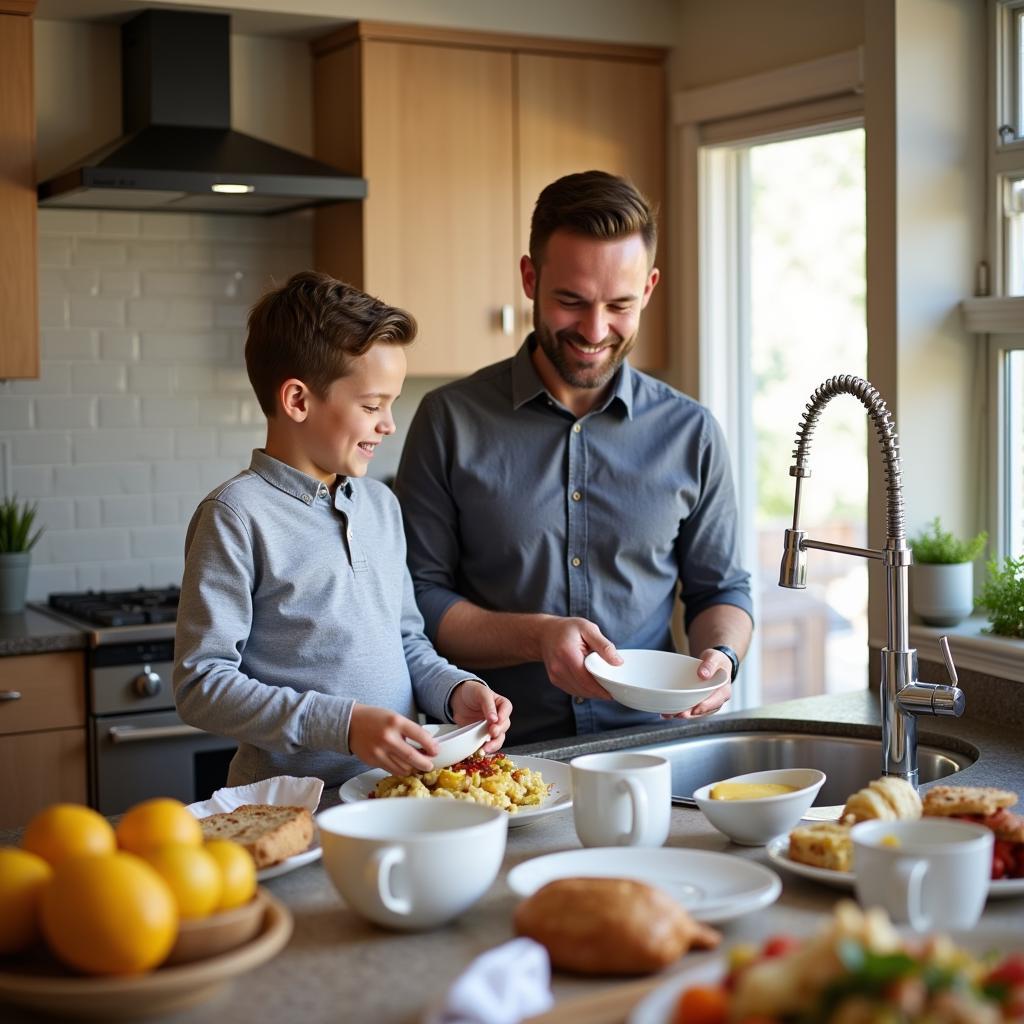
{"x": 943, "y": 574}
{"x": 16, "y": 543}
{"x": 1002, "y": 596}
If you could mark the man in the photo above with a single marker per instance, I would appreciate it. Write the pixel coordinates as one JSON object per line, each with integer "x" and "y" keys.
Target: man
{"x": 554, "y": 501}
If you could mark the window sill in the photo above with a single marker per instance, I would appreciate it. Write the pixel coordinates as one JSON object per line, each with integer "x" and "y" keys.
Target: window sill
{"x": 1000, "y": 656}
{"x": 994, "y": 315}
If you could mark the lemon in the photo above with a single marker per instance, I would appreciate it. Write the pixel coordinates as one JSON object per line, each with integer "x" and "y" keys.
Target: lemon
{"x": 23, "y": 877}
{"x": 156, "y": 822}
{"x": 68, "y": 830}
{"x": 238, "y": 871}
{"x": 109, "y": 914}
{"x": 193, "y": 874}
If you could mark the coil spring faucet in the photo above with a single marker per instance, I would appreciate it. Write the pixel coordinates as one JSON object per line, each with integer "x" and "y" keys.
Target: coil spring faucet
{"x": 902, "y": 695}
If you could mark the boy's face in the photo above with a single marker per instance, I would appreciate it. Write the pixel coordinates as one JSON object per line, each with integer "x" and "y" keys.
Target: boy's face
{"x": 344, "y": 428}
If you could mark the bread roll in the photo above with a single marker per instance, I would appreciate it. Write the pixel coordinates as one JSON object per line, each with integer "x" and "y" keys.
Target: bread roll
{"x": 610, "y": 926}
{"x": 886, "y": 799}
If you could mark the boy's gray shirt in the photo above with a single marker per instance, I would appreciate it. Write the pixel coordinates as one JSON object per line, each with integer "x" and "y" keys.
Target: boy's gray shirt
{"x": 294, "y": 606}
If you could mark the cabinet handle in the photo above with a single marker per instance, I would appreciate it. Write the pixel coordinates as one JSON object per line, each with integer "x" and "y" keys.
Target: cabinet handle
{"x": 508, "y": 319}
{"x": 131, "y": 734}
{"x": 10, "y": 695}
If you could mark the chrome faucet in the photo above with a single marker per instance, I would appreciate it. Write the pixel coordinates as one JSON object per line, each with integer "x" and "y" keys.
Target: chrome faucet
{"x": 902, "y": 695}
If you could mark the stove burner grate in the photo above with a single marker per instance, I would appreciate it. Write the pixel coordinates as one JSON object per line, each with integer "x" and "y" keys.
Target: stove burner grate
{"x": 120, "y": 607}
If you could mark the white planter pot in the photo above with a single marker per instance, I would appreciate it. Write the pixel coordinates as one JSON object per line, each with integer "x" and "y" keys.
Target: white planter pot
{"x": 943, "y": 595}
{"x": 13, "y": 580}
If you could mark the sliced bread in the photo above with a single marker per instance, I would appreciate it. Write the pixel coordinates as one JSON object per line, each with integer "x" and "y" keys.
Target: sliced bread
{"x": 270, "y": 833}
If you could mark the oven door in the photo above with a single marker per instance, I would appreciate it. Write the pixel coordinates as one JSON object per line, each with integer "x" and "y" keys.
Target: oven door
{"x": 135, "y": 757}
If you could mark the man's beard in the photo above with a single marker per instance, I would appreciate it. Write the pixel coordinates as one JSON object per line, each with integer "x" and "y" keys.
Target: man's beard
{"x": 555, "y": 345}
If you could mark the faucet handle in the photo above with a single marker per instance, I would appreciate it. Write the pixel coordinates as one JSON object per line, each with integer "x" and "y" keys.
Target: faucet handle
{"x": 948, "y": 659}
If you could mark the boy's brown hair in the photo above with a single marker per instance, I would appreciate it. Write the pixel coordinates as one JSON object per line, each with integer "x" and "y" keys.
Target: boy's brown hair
{"x": 594, "y": 204}
{"x": 311, "y": 328}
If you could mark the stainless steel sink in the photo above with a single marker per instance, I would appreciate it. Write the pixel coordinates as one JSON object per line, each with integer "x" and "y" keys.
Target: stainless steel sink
{"x": 848, "y": 764}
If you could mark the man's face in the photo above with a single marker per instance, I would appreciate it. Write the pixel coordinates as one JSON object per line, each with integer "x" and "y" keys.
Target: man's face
{"x": 344, "y": 428}
{"x": 587, "y": 298}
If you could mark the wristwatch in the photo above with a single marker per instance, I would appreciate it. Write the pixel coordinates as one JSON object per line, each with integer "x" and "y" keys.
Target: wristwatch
{"x": 732, "y": 656}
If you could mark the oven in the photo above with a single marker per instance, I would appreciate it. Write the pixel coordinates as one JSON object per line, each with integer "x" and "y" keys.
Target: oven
{"x": 138, "y": 746}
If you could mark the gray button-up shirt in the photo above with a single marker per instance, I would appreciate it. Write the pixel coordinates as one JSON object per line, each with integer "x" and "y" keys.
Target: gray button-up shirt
{"x": 512, "y": 503}
{"x": 294, "y": 606}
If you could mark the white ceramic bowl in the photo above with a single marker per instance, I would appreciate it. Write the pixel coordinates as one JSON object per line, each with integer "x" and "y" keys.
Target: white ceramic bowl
{"x": 659, "y": 681}
{"x": 411, "y": 864}
{"x": 456, "y": 742}
{"x": 757, "y": 821}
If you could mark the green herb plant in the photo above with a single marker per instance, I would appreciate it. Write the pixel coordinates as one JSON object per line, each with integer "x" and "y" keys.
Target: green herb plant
{"x": 16, "y": 521}
{"x": 936, "y": 546}
{"x": 1002, "y": 596}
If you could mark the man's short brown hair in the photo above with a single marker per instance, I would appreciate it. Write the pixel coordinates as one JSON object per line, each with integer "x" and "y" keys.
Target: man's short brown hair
{"x": 311, "y": 328}
{"x": 594, "y": 204}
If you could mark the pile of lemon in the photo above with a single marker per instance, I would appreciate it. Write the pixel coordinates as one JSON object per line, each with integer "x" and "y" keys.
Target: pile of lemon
{"x": 109, "y": 901}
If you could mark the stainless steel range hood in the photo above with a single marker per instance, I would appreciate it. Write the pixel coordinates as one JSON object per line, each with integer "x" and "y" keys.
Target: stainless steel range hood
{"x": 178, "y": 151}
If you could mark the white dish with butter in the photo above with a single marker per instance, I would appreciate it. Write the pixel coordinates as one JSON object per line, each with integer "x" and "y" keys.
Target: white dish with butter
{"x": 754, "y": 809}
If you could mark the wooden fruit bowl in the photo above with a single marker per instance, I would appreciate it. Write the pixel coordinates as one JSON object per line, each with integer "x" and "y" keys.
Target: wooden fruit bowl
{"x": 210, "y": 936}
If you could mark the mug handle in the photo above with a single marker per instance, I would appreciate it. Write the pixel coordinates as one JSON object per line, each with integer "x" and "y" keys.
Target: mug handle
{"x": 638, "y": 807}
{"x": 381, "y": 868}
{"x": 911, "y": 875}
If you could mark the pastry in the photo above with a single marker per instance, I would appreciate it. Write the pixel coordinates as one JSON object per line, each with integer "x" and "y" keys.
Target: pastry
{"x": 886, "y": 799}
{"x": 950, "y": 801}
{"x": 822, "y": 844}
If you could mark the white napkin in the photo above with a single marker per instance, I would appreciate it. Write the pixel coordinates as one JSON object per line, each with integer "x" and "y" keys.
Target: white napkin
{"x": 501, "y": 986}
{"x": 283, "y": 790}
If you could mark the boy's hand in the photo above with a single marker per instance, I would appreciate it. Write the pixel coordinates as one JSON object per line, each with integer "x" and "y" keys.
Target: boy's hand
{"x": 472, "y": 701}
{"x": 377, "y": 736}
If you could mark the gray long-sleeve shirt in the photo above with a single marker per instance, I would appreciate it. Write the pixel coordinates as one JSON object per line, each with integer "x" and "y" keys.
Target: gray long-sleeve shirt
{"x": 294, "y": 606}
{"x": 512, "y": 503}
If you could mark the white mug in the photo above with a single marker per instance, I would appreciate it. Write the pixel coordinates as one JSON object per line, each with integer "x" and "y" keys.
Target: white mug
{"x": 621, "y": 799}
{"x": 932, "y": 873}
{"x": 410, "y": 864}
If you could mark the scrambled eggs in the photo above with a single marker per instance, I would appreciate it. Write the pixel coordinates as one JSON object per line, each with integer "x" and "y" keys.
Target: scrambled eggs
{"x": 491, "y": 780}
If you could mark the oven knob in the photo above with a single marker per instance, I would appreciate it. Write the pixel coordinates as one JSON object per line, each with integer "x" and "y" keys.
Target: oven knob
{"x": 148, "y": 684}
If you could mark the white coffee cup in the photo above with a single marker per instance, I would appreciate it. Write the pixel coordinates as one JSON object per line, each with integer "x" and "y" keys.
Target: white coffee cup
{"x": 932, "y": 873}
{"x": 408, "y": 864}
{"x": 621, "y": 799}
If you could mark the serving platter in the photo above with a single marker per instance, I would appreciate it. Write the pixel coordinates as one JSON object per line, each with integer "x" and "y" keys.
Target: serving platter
{"x": 555, "y": 773}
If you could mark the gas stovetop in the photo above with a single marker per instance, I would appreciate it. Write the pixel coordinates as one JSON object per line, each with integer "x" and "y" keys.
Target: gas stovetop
{"x": 120, "y": 616}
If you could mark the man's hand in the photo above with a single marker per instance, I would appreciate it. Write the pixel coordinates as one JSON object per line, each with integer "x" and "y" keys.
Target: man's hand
{"x": 473, "y": 701}
{"x": 377, "y": 736}
{"x": 564, "y": 643}
{"x": 710, "y": 662}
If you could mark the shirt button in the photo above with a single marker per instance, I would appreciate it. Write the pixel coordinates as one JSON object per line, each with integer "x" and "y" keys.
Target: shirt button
{"x": 579, "y": 700}
{"x": 576, "y": 495}
{"x": 576, "y": 428}
{"x": 307, "y": 499}
{"x": 349, "y": 534}
{"x": 576, "y": 563}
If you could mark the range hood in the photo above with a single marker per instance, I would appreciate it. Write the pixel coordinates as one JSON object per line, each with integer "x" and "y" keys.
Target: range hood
{"x": 178, "y": 151}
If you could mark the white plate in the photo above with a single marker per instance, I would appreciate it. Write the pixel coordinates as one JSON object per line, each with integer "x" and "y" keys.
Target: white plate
{"x": 778, "y": 852}
{"x": 315, "y": 852}
{"x": 555, "y": 774}
{"x": 713, "y": 887}
{"x": 659, "y": 1006}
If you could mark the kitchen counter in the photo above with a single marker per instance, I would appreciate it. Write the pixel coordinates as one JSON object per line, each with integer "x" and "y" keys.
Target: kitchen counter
{"x": 338, "y": 968}
{"x": 33, "y": 632}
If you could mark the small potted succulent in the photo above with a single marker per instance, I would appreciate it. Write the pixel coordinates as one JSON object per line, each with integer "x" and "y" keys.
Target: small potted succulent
{"x": 16, "y": 542}
{"x": 1002, "y": 597}
{"x": 942, "y": 576}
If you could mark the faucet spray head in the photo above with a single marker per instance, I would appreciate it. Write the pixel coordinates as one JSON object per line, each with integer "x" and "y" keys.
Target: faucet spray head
{"x": 793, "y": 572}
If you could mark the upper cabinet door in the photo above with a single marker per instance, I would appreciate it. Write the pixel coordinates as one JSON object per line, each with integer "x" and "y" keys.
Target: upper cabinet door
{"x": 19, "y": 316}
{"x": 578, "y": 113}
{"x": 439, "y": 221}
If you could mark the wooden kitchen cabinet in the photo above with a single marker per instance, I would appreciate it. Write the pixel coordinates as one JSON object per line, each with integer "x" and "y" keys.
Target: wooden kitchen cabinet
{"x": 43, "y": 753}
{"x": 19, "y": 315}
{"x": 456, "y": 133}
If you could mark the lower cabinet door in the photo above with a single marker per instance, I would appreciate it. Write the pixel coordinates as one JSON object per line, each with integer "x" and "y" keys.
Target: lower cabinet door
{"x": 40, "y": 768}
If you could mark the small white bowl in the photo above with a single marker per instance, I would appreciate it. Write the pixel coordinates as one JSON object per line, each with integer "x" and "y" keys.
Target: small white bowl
{"x": 658, "y": 681}
{"x": 757, "y": 821}
{"x": 456, "y": 742}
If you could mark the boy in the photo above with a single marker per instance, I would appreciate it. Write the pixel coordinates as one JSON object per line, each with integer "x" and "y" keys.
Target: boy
{"x": 298, "y": 633}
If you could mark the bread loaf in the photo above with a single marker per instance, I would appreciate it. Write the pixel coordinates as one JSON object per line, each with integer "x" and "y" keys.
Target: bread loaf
{"x": 886, "y": 799}
{"x": 270, "y": 833}
{"x": 610, "y": 926}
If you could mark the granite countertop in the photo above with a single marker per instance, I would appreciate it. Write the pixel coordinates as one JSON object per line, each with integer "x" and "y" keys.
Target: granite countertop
{"x": 337, "y": 967}
{"x": 35, "y": 632}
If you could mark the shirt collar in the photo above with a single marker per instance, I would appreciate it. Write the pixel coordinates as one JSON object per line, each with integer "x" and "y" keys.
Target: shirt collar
{"x": 527, "y": 385}
{"x": 291, "y": 481}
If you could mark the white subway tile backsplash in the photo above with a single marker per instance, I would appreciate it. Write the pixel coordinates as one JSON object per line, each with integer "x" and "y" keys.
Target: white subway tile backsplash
{"x": 233, "y": 380}
{"x": 44, "y": 580}
{"x": 196, "y": 255}
{"x": 121, "y": 446}
{"x": 65, "y": 413}
{"x": 249, "y": 229}
{"x": 166, "y": 572}
{"x": 152, "y": 254}
{"x": 158, "y": 411}
{"x": 124, "y": 283}
{"x": 39, "y": 448}
{"x": 87, "y": 513}
{"x": 240, "y": 443}
{"x": 68, "y": 222}
{"x": 230, "y": 316}
{"x": 69, "y": 281}
{"x": 116, "y": 223}
{"x": 170, "y": 314}
{"x": 197, "y": 380}
{"x": 84, "y": 481}
{"x": 92, "y": 252}
{"x": 175, "y": 476}
{"x": 98, "y": 378}
{"x": 218, "y": 412}
{"x": 97, "y": 311}
{"x": 32, "y": 482}
{"x": 166, "y": 510}
{"x": 129, "y": 575}
{"x": 126, "y": 510}
{"x": 120, "y": 411}
{"x": 164, "y": 225}
{"x": 76, "y": 343}
{"x": 53, "y": 310}
{"x": 88, "y": 545}
{"x": 54, "y": 252}
{"x": 88, "y": 577}
{"x": 182, "y": 347}
{"x": 56, "y": 513}
{"x": 123, "y": 345}
{"x": 216, "y": 471}
{"x": 158, "y": 541}
{"x": 144, "y": 379}
{"x": 15, "y": 413}
{"x": 249, "y": 412}
{"x": 195, "y": 444}
{"x": 189, "y": 282}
